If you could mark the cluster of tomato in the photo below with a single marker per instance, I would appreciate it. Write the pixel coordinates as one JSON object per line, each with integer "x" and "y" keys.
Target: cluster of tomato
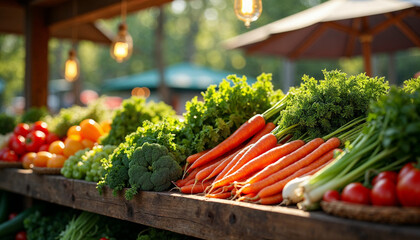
{"x": 388, "y": 189}
{"x": 78, "y": 137}
{"x": 27, "y": 138}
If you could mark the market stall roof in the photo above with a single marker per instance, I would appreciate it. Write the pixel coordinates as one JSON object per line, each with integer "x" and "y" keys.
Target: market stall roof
{"x": 179, "y": 76}
{"x": 41, "y": 19}
{"x": 332, "y": 29}
{"x": 12, "y": 20}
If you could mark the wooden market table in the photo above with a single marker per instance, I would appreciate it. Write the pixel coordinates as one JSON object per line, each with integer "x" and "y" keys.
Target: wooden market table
{"x": 198, "y": 216}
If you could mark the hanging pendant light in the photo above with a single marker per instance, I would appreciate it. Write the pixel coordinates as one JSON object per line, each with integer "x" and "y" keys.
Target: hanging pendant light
{"x": 248, "y": 10}
{"x": 71, "y": 67}
{"x": 122, "y": 46}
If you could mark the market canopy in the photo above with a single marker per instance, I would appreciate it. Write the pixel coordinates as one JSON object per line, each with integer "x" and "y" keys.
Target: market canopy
{"x": 179, "y": 76}
{"x": 331, "y": 30}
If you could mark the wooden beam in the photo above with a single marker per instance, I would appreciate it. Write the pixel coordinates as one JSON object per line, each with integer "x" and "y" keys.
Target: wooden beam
{"x": 342, "y": 28}
{"x": 351, "y": 42}
{"x": 256, "y": 46}
{"x": 36, "y": 61}
{"x": 61, "y": 16}
{"x": 406, "y": 30}
{"x": 391, "y": 19}
{"x": 308, "y": 41}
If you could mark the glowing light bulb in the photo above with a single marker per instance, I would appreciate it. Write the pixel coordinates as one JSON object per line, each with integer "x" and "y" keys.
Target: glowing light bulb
{"x": 248, "y": 10}
{"x": 122, "y": 46}
{"x": 71, "y": 67}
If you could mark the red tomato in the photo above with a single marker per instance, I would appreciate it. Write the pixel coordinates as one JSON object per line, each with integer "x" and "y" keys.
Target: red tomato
{"x": 20, "y": 235}
{"x": 103, "y": 238}
{"x": 34, "y": 141}
{"x": 10, "y": 156}
{"x": 331, "y": 196}
{"x": 17, "y": 144}
{"x": 22, "y": 129}
{"x": 40, "y": 126}
{"x": 393, "y": 176}
{"x": 404, "y": 170}
{"x": 12, "y": 215}
{"x": 356, "y": 193}
{"x": 384, "y": 193}
{"x": 51, "y": 137}
{"x": 44, "y": 148}
{"x": 408, "y": 189}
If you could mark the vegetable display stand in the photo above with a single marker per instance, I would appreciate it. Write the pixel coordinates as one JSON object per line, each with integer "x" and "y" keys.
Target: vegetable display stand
{"x": 198, "y": 216}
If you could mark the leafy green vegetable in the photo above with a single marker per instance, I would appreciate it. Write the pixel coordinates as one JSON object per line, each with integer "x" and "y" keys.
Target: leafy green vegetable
{"x": 47, "y": 225}
{"x": 152, "y": 168}
{"x": 411, "y": 85}
{"x": 131, "y": 115}
{"x": 34, "y": 114}
{"x": 317, "y": 108}
{"x": 68, "y": 117}
{"x": 7, "y": 123}
{"x": 390, "y": 139}
{"x": 224, "y": 109}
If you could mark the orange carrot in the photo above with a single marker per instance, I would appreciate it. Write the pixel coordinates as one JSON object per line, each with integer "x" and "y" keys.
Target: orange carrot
{"x": 194, "y": 157}
{"x": 222, "y": 165}
{"x": 267, "y": 129}
{"x": 222, "y": 195}
{"x": 286, "y": 160}
{"x": 265, "y": 143}
{"x": 259, "y": 162}
{"x": 195, "y": 187}
{"x": 271, "y": 200}
{"x": 232, "y": 162}
{"x": 191, "y": 175}
{"x": 205, "y": 172}
{"x": 277, "y": 187}
{"x": 244, "y": 132}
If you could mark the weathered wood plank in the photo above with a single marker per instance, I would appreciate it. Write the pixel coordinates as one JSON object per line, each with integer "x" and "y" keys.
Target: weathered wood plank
{"x": 198, "y": 216}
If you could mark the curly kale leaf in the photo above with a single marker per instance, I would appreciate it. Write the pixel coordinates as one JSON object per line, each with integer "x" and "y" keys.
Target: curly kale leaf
{"x": 224, "y": 109}
{"x": 411, "y": 85}
{"x": 132, "y": 114}
{"x": 152, "y": 168}
{"x": 320, "y": 107}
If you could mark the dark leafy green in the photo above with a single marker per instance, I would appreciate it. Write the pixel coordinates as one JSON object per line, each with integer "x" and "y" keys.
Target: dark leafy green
{"x": 225, "y": 108}
{"x": 318, "y": 107}
{"x": 131, "y": 115}
{"x": 34, "y": 114}
{"x": 7, "y": 123}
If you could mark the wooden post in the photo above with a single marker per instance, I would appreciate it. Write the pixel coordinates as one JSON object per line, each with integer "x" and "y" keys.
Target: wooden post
{"x": 366, "y": 42}
{"x": 36, "y": 61}
{"x": 163, "y": 89}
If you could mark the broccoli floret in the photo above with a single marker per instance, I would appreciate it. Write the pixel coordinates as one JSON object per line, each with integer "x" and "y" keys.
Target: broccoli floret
{"x": 152, "y": 168}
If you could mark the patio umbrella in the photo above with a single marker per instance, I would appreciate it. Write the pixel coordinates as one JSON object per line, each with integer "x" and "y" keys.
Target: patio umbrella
{"x": 338, "y": 28}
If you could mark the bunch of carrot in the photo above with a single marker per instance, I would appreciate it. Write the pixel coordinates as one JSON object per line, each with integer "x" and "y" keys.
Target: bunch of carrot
{"x": 251, "y": 165}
